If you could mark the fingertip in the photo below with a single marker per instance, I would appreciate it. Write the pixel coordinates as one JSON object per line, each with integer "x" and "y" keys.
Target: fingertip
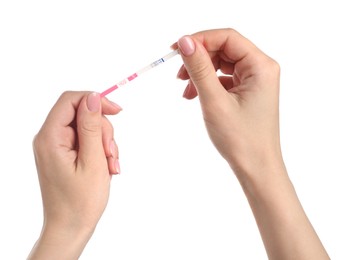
{"x": 113, "y": 148}
{"x": 185, "y": 92}
{"x": 116, "y": 106}
{"x": 186, "y": 45}
{"x": 182, "y": 73}
{"x": 114, "y": 166}
{"x": 109, "y": 107}
{"x": 174, "y": 46}
{"x": 190, "y": 92}
{"x": 113, "y": 161}
{"x": 117, "y": 166}
{"x": 93, "y": 102}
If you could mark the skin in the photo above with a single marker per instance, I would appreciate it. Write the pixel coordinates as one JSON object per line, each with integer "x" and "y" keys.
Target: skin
{"x": 75, "y": 156}
{"x": 241, "y": 113}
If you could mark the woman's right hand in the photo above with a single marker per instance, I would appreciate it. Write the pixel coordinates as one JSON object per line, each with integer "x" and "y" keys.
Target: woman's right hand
{"x": 240, "y": 109}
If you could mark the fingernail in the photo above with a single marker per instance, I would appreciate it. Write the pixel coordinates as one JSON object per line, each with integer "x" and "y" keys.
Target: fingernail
{"x": 186, "y": 92}
{"x": 93, "y": 102}
{"x": 117, "y": 166}
{"x": 112, "y": 148}
{"x": 186, "y": 45}
{"x": 179, "y": 74}
{"x": 116, "y": 105}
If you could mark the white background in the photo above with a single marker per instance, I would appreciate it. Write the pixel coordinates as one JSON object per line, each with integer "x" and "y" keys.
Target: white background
{"x": 176, "y": 198}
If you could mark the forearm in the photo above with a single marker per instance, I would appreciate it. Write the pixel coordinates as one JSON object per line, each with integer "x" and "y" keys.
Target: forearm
{"x": 60, "y": 243}
{"x": 285, "y": 229}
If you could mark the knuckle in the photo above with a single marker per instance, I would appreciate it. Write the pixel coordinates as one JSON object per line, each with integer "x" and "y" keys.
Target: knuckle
{"x": 270, "y": 67}
{"x": 89, "y": 128}
{"x": 35, "y": 143}
{"x": 230, "y": 30}
{"x": 42, "y": 144}
{"x": 275, "y": 67}
{"x": 199, "y": 71}
{"x": 66, "y": 94}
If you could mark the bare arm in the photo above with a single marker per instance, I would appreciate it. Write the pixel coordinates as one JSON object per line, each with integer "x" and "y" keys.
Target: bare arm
{"x": 285, "y": 229}
{"x": 241, "y": 113}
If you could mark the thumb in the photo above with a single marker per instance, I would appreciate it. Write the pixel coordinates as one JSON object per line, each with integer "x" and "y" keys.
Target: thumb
{"x": 89, "y": 129}
{"x": 200, "y": 68}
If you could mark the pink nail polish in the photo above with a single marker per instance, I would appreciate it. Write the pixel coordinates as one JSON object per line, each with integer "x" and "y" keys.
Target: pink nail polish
{"x": 117, "y": 166}
{"x": 93, "y": 102}
{"x": 179, "y": 74}
{"x": 115, "y": 105}
{"x": 187, "y": 46}
{"x": 112, "y": 148}
{"x": 186, "y": 93}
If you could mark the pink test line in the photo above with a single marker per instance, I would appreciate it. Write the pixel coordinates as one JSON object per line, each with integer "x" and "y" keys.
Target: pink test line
{"x": 114, "y": 87}
{"x": 108, "y": 91}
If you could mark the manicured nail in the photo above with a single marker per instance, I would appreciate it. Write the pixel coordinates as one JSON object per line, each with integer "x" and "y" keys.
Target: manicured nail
{"x": 182, "y": 72}
{"x": 112, "y": 148}
{"x": 186, "y": 45}
{"x": 186, "y": 92}
{"x": 179, "y": 74}
{"x": 117, "y": 166}
{"x": 116, "y": 105}
{"x": 93, "y": 102}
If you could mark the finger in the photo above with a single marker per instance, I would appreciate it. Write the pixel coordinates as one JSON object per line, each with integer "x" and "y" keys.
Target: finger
{"x": 113, "y": 165}
{"x": 108, "y": 137}
{"x": 232, "y": 45}
{"x": 200, "y": 68}
{"x": 109, "y": 107}
{"x": 64, "y": 111}
{"x": 226, "y": 81}
{"x": 226, "y": 67}
{"x": 113, "y": 161}
{"x": 182, "y": 73}
{"x": 89, "y": 130}
{"x": 223, "y": 65}
{"x": 233, "y": 48}
{"x": 190, "y": 91}
{"x": 110, "y": 147}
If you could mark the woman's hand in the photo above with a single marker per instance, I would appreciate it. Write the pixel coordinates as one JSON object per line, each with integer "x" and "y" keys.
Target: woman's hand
{"x": 76, "y": 156}
{"x": 240, "y": 110}
{"x": 240, "y": 107}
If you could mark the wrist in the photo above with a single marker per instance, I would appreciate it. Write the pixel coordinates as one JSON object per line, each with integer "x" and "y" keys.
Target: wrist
{"x": 278, "y": 211}
{"x": 254, "y": 169}
{"x": 61, "y": 242}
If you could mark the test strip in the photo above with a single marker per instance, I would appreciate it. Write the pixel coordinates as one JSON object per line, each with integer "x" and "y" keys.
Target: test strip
{"x": 136, "y": 74}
